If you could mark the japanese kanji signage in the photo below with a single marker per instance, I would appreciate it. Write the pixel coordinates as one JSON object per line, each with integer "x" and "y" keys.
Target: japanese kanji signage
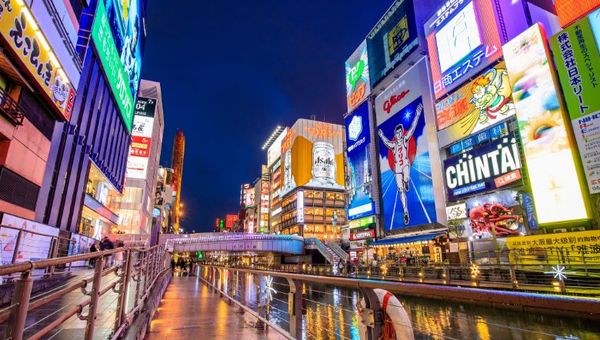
{"x": 358, "y": 85}
{"x": 462, "y": 39}
{"x": 563, "y": 248}
{"x": 141, "y": 138}
{"x": 29, "y": 44}
{"x": 576, "y": 56}
{"x": 571, "y": 10}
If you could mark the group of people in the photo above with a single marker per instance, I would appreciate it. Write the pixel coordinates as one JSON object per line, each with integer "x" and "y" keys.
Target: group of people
{"x": 107, "y": 244}
{"x": 185, "y": 266}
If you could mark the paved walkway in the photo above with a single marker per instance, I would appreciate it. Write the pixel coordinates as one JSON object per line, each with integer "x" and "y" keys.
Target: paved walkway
{"x": 189, "y": 310}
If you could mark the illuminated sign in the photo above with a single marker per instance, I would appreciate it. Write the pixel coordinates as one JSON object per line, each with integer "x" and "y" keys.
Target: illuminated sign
{"x": 22, "y": 33}
{"x": 548, "y": 151}
{"x": 111, "y": 62}
{"x": 356, "y": 235}
{"x": 456, "y": 212}
{"x": 482, "y": 137}
{"x": 274, "y": 151}
{"x": 406, "y": 184}
{"x": 362, "y": 222}
{"x": 571, "y": 10}
{"x": 578, "y": 65}
{"x": 231, "y": 220}
{"x": 141, "y": 138}
{"x": 358, "y": 86}
{"x": 495, "y": 215}
{"x": 358, "y": 141}
{"x": 313, "y": 156}
{"x": 483, "y": 169}
{"x": 300, "y": 207}
{"x": 392, "y": 39}
{"x": 475, "y": 106}
{"x": 462, "y": 40}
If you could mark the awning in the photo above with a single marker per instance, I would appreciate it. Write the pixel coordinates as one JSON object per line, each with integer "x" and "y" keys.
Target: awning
{"x": 406, "y": 239}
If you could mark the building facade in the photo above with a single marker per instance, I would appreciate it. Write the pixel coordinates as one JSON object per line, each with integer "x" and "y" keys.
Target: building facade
{"x": 177, "y": 166}
{"x": 136, "y": 205}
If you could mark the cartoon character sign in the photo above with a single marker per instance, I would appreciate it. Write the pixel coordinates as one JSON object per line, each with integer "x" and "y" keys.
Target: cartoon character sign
{"x": 477, "y": 105}
{"x": 405, "y": 167}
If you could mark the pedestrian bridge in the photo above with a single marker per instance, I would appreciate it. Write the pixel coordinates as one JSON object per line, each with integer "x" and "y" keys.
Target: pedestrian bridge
{"x": 234, "y": 242}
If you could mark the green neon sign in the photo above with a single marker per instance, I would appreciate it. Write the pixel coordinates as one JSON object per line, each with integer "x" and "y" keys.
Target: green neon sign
{"x": 113, "y": 67}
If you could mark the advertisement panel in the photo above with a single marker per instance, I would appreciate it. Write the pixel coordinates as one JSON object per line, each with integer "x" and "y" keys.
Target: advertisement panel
{"x": 359, "y": 159}
{"x": 111, "y": 62}
{"x": 569, "y": 10}
{"x": 274, "y": 151}
{"x": 313, "y": 156}
{"x": 358, "y": 85}
{"x": 356, "y": 235}
{"x": 407, "y": 188}
{"x": 481, "y": 103}
{"x": 231, "y": 220}
{"x": 576, "y": 58}
{"x": 462, "y": 38}
{"x": 541, "y": 119}
{"x": 482, "y": 169}
{"x": 29, "y": 44}
{"x": 392, "y": 39}
{"x": 141, "y": 138}
{"x": 34, "y": 243}
{"x": 499, "y": 214}
{"x": 126, "y": 24}
{"x": 553, "y": 248}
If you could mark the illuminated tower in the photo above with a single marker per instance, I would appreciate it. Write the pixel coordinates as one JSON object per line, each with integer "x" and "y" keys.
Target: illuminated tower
{"x": 177, "y": 165}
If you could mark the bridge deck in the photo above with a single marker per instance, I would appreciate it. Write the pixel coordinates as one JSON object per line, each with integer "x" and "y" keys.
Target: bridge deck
{"x": 189, "y": 310}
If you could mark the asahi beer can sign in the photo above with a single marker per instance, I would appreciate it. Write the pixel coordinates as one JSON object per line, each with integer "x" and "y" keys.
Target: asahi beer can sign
{"x": 323, "y": 169}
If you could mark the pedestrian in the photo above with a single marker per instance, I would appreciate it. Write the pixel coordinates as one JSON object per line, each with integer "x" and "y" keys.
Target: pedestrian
{"x": 119, "y": 255}
{"x": 93, "y": 249}
{"x": 190, "y": 267}
{"x": 107, "y": 244}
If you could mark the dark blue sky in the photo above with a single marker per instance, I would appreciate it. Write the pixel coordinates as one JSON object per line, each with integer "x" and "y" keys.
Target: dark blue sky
{"x": 232, "y": 70}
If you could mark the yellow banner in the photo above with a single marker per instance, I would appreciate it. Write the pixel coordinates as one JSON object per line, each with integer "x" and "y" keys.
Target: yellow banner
{"x": 21, "y": 32}
{"x": 562, "y": 248}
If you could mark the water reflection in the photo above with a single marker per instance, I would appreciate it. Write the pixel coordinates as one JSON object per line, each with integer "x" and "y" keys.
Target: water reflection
{"x": 331, "y": 313}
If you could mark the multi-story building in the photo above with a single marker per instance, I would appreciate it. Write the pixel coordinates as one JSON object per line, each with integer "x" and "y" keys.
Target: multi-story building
{"x": 273, "y": 147}
{"x": 313, "y": 197}
{"x": 88, "y": 157}
{"x": 177, "y": 166}
{"x": 261, "y": 194}
{"x": 137, "y": 203}
{"x": 39, "y": 76}
{"x": 248, "y": 208}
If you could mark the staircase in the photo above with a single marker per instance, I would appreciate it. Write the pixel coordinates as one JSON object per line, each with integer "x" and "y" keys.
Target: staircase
{"x": 332, "y": 252}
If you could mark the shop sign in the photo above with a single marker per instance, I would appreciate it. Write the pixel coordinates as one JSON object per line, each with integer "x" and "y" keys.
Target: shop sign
{"x": 541, "y": 118}
{"x": 578, "y": 65}
{"x": 23, "y": 35}
{"x": 111, "y": 62}
{"x": 475, "y": 106}
{"x": 462, "y": 39}
{"x": 483, "y": 169}
{"x": 392, "y": 39}
{"x": 300, "y": 206}
{"x": 456, "y": 212}
{"x": 361, "y": 234}
{"x": 358, "y": 85}
{"x": 493, "y": 133}
{"x": 495, "y": 215}
{"x": 358, "y": 245}
{"x": 363, "y": 222}
{"x": 554, "y": 248}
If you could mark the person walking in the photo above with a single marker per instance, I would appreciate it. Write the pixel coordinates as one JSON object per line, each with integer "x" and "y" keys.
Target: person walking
{"x": 93, "y": 249}
{"x": 107, "y": 244}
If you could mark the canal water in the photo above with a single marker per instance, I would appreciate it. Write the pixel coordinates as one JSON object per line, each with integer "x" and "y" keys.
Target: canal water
{"x": 331, "y": 313}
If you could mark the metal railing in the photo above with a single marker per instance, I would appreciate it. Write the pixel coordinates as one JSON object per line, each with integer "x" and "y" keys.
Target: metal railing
{"x": 335, "y": 247}
{"x": 328, "y": 254}
{"x": 10, "y": 109}
{"x": 107, "y": 300}
{"x": 300, "y": 305}
{"x": 556, "y": 275}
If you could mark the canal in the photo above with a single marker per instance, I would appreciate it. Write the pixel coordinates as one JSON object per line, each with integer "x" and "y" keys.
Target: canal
{"x": 332, "y": 313}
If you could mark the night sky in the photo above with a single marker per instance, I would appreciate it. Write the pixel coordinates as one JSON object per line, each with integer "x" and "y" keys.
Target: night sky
{"x": 231, "y": 71}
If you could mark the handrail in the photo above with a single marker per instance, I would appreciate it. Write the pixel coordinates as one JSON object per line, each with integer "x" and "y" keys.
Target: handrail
{"x": 337, "y": 250}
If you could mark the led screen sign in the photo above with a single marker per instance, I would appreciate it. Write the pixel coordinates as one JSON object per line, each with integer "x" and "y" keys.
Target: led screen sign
{"x": 475, "y": 106}
{"x": 462, "y": 40}
{"x": 111, "y": 62}
{"x": 358, "y": 140}
{"x": 313, "y": 156}
{"x": 22, "y": 33}
{"x": 541, "y": 119}
{"x": 482, "y": 169}
{"x": 392, "y": 39}
{"x": 576, "y": 58}
{"x": 405, "y": 168}
{"x": 358, "y": 85}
